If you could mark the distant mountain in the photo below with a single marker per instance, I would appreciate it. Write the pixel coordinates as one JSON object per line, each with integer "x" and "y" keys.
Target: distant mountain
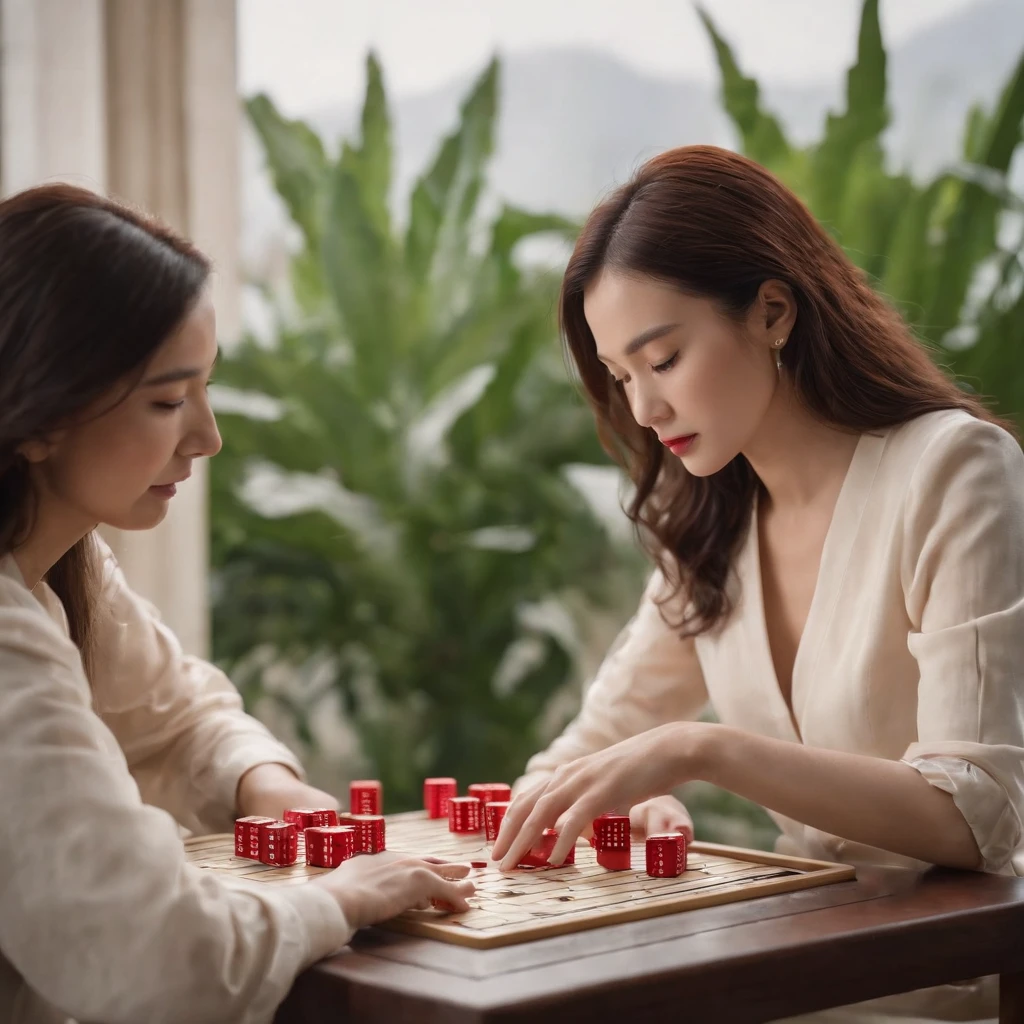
{"x": 574, "y": 123}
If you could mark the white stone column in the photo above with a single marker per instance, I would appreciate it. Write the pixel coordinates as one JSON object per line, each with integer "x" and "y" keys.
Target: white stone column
{"x": 138, "y": 98}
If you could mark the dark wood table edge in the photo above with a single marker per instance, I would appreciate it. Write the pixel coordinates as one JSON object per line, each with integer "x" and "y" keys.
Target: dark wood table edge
{"x": 955, "y": 947}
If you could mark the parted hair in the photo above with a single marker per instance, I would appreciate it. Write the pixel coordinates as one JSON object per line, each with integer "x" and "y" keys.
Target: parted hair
{"x": 89, "y": 289}
{"x": 716, "y": 225}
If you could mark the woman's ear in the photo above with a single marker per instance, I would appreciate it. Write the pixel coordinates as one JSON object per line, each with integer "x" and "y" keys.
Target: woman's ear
{"x": 777, "y": 306}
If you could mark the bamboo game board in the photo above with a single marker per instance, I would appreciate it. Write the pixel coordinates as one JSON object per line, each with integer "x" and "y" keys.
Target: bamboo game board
{"x": 533, "y": 904}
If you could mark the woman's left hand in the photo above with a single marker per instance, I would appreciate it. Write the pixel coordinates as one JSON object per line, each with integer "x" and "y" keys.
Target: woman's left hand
{"x": 271, "y": 789}
{"x": 618, "y": 777}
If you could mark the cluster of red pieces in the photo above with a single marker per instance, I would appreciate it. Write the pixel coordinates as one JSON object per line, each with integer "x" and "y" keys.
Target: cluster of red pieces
{"x": 485, "y": 807}
{"x": 330, "y": 838}
{"x": 666, "y": 851}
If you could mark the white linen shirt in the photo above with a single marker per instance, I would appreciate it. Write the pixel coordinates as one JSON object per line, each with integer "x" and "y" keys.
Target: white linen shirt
{"x": 913, "y": 648}
{"x": 101, "y": 916}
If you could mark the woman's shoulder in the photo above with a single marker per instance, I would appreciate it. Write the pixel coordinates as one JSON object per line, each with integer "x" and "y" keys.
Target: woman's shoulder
{"x": 952, "y": 442}
{"x": 946, "y": 430}
{"x": 14, "y": 595}
{"x": 951, "y": 474}
{"x": 26, "y": 625}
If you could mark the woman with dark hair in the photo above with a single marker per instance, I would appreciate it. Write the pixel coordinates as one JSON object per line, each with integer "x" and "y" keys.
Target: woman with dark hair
{"x": 838, "y": 534}
{"x": 109, "y": 736}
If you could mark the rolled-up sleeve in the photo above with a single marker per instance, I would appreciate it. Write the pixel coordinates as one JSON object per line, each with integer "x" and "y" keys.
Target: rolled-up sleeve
{"x": 963, "y": 578}
{"x": 100, "y": 912}
{"x": 650, "y": 676}
{"x": 179, "y": 720}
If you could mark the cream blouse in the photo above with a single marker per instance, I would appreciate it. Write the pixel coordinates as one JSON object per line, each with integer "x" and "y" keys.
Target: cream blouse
{"x": 101, "y": 917}
{"x": 913, "y": 647}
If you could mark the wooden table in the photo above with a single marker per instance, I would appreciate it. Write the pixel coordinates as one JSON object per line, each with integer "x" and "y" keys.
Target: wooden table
{"x": 884, "y": 933}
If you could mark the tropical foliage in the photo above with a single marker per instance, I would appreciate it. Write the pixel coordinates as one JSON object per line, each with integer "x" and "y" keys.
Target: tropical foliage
{"x": 396, "y": 532}
{"x": 949, "y": 251}
{"x": 397, "y": 527}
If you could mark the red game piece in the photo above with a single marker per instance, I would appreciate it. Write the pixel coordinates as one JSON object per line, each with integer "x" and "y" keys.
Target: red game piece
{"x": 464, "y": 814}
{"x": 614, "y": 860}
{"x": 666, "y": 854}
{"x": 366, "y": 796}
{"x": 540, "y": 855}
{"x": 611, "y": 841}
{"x": 247, "y": 835}
{"x": 593, "y": 827}
{"x": 308, "y": 817}
{"x": 369, "y": 831}
{"x": 279, "y": 843}
{"x": 436, "y": 794}
{"x": 489, "y": 791}
{"x": 328, "y": 845}
{"x": 494, "y": 814}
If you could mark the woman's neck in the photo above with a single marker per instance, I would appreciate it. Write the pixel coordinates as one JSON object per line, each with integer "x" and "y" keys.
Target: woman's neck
{"x": 55, "y": 531}
{"x": 798, "y": 458}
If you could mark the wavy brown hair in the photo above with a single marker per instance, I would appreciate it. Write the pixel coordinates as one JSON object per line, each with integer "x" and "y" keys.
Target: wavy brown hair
{"x": 89, "y": 290}
{"x": 717, "y": 225}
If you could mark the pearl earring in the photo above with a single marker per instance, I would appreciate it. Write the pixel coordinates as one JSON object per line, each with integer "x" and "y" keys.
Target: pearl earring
{"x": 778, "y": 343}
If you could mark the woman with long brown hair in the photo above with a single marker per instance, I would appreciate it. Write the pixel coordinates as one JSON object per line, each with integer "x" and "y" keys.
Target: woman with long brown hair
{"x": 838, "y": 535}
{"x": 110, "y": 737}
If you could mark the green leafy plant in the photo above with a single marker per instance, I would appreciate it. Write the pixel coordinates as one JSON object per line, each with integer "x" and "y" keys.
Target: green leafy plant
{"x": 949, "y": 251}
{"x": 399, "y": 531}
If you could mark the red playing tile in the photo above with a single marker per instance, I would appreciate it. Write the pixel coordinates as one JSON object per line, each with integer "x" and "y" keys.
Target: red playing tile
{"x": 436, "y": 794}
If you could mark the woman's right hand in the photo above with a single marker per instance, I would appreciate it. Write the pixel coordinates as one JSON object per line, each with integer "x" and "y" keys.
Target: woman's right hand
{"x": 378, "y": 887}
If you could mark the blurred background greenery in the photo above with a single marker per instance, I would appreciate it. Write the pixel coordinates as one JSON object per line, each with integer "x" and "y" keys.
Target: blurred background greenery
{"x": 403, "y": 513}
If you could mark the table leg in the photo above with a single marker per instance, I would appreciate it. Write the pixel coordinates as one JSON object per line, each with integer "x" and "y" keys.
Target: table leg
{"x": 1011, "y": 998}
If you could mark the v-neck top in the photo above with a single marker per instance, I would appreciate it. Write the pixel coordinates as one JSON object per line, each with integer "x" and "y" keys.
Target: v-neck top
{"x": 912, "y": 650}
{"x": 836, "y": 553}
{"x": 748, "y": 594}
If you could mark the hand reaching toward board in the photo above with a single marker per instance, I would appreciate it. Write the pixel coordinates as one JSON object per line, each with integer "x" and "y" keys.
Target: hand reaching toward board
{"x": 576, "y": 793}
{"x": 377, "y": 888}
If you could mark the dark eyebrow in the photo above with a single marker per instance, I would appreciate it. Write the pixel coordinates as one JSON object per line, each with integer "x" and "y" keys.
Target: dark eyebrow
{"x": 172, "y": 376}
{"x": 185, "y": 373}
{"x": 646, "y": 337}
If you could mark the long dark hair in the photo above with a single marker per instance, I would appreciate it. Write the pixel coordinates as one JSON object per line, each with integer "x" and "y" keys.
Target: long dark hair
{"x": 715, "y": 224}
{"x": 89, "y": 289}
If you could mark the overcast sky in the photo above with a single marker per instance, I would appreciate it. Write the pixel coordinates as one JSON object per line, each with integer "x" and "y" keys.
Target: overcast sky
{"x": 312, "y": 56}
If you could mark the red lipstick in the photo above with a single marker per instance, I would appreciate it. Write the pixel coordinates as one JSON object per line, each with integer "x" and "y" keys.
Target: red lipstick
{"x": 679, "y": 445}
